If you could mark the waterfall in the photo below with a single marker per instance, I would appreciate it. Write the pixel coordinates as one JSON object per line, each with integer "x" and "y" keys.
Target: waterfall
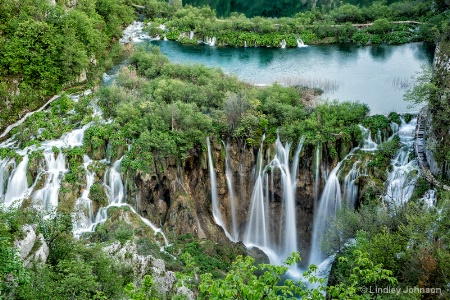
{"x": 4, "y": 175}
{"x": 210, "y": 41}
{"x": 368, "y": 144}
{"x": 317, "y": 175}
{"x": 191, "y": 35}
{"x": 229, "y": 177}
{"x": 330, "y": 202}
{"x": 115, "y": 190}
{"x": 258, "y": 230}
{"x": 18, "y": 184}
{"x": 56, "y": 168}
{"x": 402, "y": 178}
{"x": 300, "y": 43}
{"x": 83, "y": 215}
{"x": 245, "y": 44}
{"x": 350, "y": 188}
{"x": 283, "y": 44}
{"x": 14, "y": 182}
{"x": 214, "y": 197}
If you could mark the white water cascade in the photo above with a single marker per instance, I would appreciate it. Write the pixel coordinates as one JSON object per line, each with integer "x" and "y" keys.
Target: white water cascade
{"x": 402, "y": 178}
{"x": 259, "y": 223}
{"x": 350, "y": 188}
{"x": 210, "y": 41}
{"x": 56, "y": 168}
{"x": 45, "y": 190}
{"x": 4, "y": 175}
{"x": 256, "y": 232}
{"x": 317, "y": 174}
{"x": 283, "y": 44}
{"x": 214, "y": 197}
{"x": 369, "y": 144}
{"x": 115, "y": 189}
{"x": 18, "y": 184}
{"x": 229, "y": 177}
{"x": 300, "y": 43}
{"x": 83, "y": 216}
{"x": 330, "y": 202}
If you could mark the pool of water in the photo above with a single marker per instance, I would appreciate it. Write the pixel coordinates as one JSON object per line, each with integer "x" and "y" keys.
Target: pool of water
{"x": 376, "y": 75}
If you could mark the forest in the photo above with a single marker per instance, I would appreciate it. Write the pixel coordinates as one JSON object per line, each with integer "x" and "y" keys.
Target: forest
{"x": 154, "y": 119}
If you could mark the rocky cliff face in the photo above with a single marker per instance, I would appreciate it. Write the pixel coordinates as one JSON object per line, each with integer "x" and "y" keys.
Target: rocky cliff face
{"x": 177, "y": 197}
{"x": 439, "y": 107}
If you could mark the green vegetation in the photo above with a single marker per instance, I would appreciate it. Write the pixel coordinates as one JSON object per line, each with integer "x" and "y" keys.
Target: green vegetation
{"x": 395, "y": 23}
{"x": 165, "y": 110}
{"x": 45, "y": 48}
{"x": 73, "y": 270}
{"x": 397, "y": 241}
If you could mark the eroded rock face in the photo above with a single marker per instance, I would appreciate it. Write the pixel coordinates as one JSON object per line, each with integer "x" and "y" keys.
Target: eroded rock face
{"x": 177, "y": 196}
{"x": 32, "y": 248}
{"x": 26, "y": 244}
{"x": 41, "y": 254}
{"x": 143, "y": 265}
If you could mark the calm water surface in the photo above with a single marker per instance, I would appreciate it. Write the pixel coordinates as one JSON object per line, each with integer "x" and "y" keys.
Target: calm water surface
{"x": 376, "y": 75}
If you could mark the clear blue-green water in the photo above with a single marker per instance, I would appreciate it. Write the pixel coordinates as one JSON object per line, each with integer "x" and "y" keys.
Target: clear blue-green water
{"x": 376, "y": 75}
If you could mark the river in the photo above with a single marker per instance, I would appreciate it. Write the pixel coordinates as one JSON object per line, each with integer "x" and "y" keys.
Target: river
{"x": 376, "y": 75}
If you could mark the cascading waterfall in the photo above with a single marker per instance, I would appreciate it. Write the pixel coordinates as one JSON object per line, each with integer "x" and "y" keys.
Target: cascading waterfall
{"x": 369, "y": 144}
{"x": 317, "y": 175}
{"x": 18, "y": 184}
{"x": 115, "y": 193}
{"x": 4, "y": 175}
{"x": 229, "y": 178}
{"x": 400, "y": 183}
{"x": 214, "y": 197}
{"x": 83, "y": 216}
{"x": 56, "y": 168}
{"x": 330, "y": 202}
{"x": 210, "y": 41}
{"x": 430, "y": 198}
{"x": 14, "y": 184}
{"x": 402, "y": 178}
{"x": 258, "y": 230}
{"x": 115, "y": 190}
{"x": 191, "y": 35}
{"x": 350, "y": 188}
{"x": 283, "y": 44}
{"x": 300, "y": 43}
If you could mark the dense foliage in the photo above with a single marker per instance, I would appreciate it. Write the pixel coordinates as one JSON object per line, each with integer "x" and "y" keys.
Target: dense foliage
{"x": 73, "y": 270}
{"x": 411, "y": 242}
{"x": 165, "y": 110}
{"x": 399, "y": 22}
{"x": 45, "y": 48}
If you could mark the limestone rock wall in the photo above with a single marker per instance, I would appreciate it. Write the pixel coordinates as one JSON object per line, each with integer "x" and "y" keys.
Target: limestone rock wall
{"x": 177, "y": 196}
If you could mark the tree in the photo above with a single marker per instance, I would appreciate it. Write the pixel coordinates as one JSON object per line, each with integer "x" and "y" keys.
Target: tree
{"x": 422, "y": 88}
{"x": 146, "y": 292}
{"x": 263, "y": 281}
